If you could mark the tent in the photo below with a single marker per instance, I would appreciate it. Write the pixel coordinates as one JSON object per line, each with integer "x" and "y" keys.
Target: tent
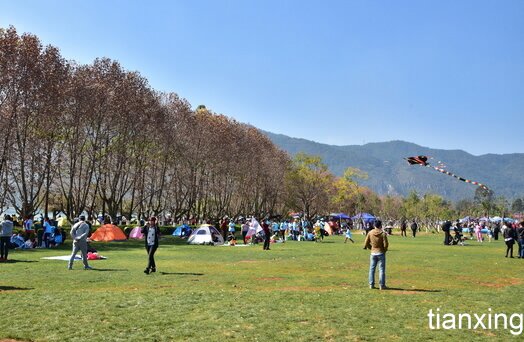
{"x": 365, "y": 217}
{"x": 254, "y": 228}
{"x": 466, "y": 230}
{"x": 328, "y": 229}
{"x": 206, "y": 234}
{"x": 339, "y": 216}
{"x": 136, "y": 233}
{"x": 108, "y": 232}
{"x": 465, "y": 219}
{"x": 183, "y": 230}
{"x": 295, "y": 215}
{"x": 62, "y": 221}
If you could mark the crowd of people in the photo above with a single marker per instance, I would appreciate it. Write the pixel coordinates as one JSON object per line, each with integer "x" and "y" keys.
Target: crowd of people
{"x": 34, "y": 234}
{"x": 43, "y": 234}
{"x": 482, "y": 230}
{"x": 281, "y": 230}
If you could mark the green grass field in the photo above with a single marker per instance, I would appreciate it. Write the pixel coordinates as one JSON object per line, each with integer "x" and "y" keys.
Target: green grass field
{"x": 297, "y": 291}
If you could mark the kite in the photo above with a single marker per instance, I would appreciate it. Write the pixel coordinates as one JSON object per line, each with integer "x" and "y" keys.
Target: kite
{"x": 423, "y": 161}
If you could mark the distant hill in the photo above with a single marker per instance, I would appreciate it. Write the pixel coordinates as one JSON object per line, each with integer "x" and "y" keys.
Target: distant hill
{"x": 389, "y": 173}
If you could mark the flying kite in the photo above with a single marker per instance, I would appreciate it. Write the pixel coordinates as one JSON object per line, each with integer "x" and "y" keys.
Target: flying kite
{"x": 423, "y": 161}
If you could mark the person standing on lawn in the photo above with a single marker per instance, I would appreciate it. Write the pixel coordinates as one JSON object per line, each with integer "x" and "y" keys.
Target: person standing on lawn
{"x": 377, "y": 241}
{"x": 414, "y": 227}
{"x": 151, "y": 233}
{"x": 6, "y": 230}
{"x": 79, "y": 233}
{"x": 267, "y": 234}
{"x": 403, "y": 227}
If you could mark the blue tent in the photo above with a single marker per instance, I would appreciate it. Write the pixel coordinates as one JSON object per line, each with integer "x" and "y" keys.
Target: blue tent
{"x": 339, "y": 216}
{"x": 183, "y": 230}
{"x": 365, "y": 217}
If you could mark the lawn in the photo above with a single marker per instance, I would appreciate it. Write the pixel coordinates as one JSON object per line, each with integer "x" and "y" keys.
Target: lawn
{"x": 297, "y": 291}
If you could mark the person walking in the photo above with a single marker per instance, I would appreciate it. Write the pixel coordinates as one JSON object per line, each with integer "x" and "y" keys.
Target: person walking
{"x": 496, "y": 231}
{"x": 377, "y": 241}
{"x": 265, "y": 228}
{"x": 478, "y": 231}
{"x": 520, "y": 235}
{"x": 414, "y": 227}
{"x": 245, "y": 229}
{"x": 403, "y": 228}
{"x": 283, "y": 230}
{"x": 151, "y": 233}
{"x": 79, "y": 234}
{"x": 231, "y": 228}
{"x": 6, "y": 230}
{"x": 509, "y": 237}
{"x": 348, "y": 235}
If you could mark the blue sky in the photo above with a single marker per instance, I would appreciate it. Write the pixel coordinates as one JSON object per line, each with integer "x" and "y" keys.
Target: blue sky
{"x": 442, "y": 74}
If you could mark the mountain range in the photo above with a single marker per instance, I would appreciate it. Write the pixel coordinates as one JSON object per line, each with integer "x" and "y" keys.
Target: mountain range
{"x": 390, "y": 174}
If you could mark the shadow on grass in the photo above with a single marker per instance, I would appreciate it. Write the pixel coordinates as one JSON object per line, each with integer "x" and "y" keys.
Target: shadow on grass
{"x": 14, "y": 261}
{"x": 181, "y": 273}
{"x": 14, "y": 288}
{"x": 110, "y": 269}
{"x": 410, "y": 290}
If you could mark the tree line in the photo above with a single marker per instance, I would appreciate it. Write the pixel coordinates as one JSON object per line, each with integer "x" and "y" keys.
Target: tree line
{"x": 98, "y": 139}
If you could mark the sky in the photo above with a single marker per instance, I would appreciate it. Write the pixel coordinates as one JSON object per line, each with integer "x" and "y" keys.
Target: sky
{"x": 444, "y": 74}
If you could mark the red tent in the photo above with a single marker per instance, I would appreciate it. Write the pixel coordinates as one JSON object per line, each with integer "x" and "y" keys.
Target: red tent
{"x": 108, "y": 232}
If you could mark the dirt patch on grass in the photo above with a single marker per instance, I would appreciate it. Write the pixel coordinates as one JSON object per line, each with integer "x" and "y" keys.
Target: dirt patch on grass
{"x": 405, "y": 292}
{"x": 495, "y": 283}
{"x": 270, "y": 278}
{"x": 503, "y": 283}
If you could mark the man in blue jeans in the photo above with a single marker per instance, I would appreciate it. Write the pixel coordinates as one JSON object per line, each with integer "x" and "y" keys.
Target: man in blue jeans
{"x": 377, "y": 241}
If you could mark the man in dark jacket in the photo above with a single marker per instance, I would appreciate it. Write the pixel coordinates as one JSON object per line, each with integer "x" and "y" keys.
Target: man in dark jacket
{"x": 510, "y": 236}
{"x": 414, "y": 227}
{"x": 267, "y": 236}
{"x": 520, "y": 236}
{"x": 446, "y": 227}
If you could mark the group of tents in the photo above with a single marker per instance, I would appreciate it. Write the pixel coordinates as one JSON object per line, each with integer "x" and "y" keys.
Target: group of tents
{"x": 204, "y": 235}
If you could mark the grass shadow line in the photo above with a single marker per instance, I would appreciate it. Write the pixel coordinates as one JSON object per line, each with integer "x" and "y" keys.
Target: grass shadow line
{"x": 14, "y": 261}
{"x": 411, "y": 290}
{"x": 14, "y": 288}
{"x": 110, "y": 269}
{"x": 181, "y": 273}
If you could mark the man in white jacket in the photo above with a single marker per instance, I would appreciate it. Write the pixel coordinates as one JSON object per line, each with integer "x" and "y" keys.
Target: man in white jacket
{"x": 79, "y": 233}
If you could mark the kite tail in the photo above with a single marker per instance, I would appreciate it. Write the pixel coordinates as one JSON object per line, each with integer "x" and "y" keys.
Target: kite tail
{"x": 459, "y": 178}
